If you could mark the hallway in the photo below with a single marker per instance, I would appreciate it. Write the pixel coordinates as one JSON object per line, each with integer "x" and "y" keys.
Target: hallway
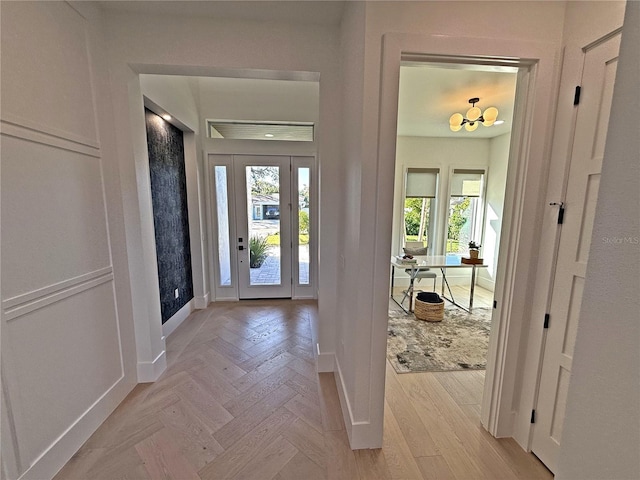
{"x": 241, "y": 399}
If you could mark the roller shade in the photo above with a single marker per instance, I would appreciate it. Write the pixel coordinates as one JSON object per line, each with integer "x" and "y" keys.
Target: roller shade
{"x": 422, "y": 182}
{"x": 466, "y": 183}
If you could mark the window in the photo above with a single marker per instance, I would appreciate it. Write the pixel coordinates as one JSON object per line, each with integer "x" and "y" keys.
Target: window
{"x": 243, "y": 130}
{"x": 224, "y": 243}
{"x": 466, "y": 208}
{"x": 419, "y": 205}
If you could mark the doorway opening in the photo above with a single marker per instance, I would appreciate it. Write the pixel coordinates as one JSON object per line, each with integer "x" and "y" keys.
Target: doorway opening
{"x": 449, "y": 192}
{"x": 522, "y": 205}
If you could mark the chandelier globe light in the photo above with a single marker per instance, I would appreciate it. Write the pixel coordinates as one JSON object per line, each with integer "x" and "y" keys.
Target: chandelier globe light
{"x": 473, "y": 118}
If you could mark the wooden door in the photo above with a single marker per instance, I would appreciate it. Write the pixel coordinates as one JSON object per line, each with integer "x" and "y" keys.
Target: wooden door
{"x": 598, "y": 78}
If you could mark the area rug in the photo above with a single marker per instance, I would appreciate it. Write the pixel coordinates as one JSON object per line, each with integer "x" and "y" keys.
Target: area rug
{"x": 459, "y": 342}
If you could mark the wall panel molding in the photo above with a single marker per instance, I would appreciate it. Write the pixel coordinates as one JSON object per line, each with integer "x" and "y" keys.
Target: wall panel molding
{"x": 25, "y": 130}
{"x": 22, "y": 304}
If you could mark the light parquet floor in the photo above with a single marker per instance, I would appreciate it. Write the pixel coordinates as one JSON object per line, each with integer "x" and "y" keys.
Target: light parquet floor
{"x": 241, "y": 400}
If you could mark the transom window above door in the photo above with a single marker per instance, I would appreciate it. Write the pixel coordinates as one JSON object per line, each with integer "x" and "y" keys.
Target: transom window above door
{"x": 246, "y": 130}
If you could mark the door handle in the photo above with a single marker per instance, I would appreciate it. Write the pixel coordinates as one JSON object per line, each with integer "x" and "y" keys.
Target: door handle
{"x": 240, "y": 247}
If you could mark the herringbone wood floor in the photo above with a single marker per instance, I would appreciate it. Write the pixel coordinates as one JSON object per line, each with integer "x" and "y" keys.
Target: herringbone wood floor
{"x": 241, "y": 399}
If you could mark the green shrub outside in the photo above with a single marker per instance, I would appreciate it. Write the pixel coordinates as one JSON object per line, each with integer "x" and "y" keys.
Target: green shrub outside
{"x": 258, "y": 247}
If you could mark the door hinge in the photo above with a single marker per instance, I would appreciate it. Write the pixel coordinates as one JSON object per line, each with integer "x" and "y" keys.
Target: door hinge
{"x": 546, "y": 320}
{"x": 576, "y": 95}
{"x": 495, "y": 304}
{"x": 533, "y": 416}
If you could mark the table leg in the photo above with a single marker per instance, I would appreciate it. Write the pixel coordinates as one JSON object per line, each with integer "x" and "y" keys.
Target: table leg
{"x": 473, "y": 284}
{"x": 393, "y": 274}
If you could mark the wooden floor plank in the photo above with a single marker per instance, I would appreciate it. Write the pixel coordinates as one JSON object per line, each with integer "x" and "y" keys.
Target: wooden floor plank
{"x": 234, "y": 458}
{"x": 308, "y": 440}
{"x": 329, "y": 402}
{"x": 418, "y": 437}
{"x": 435, "y": 468}
{"x": 400, "y": 461}
{"x": 307, "y": 409}
{"x": 163, "y": 460}
{"x": 245, "y": 422}
{"x": 190, "y": 435}
{"x": 258, "y": 391}
{"x": 301, "y": 468}
{"x": 372, "y": 463}
{"x": 241, "y": 399}
{"x": 341, "y": 464}
{"x": 248, "y": 380}
{"x": 203, "y": 406}
{"x": 269, "y": 461}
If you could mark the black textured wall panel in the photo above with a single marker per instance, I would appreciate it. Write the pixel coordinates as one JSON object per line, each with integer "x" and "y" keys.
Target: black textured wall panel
{"x": 170, "y": 215}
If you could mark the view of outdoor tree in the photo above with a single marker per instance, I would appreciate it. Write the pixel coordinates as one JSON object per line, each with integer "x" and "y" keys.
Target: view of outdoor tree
{"x": 416, "y": 219}
{"x": 264, "y": 180}
{"x": 304, "y": 196}
{"x": 458, "y": 231}
{"x": 458, "y": 216}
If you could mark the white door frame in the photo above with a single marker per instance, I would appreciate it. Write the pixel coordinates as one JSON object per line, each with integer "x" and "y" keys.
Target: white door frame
{"x": 230, "y": 292}
{"x": 530, "y": 143}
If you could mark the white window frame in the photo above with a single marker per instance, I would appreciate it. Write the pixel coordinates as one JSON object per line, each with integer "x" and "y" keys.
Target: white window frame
{"x": 478, "y": 222}
{"x": 433, "y": 208}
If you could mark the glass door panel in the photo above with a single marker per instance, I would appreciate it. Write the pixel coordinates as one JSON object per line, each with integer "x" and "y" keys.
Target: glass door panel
{"x": 222, "y": 215}
{"x": 263, "y": 216}
{"x": 304, "y": 221}
{"x": 263, "y": 211}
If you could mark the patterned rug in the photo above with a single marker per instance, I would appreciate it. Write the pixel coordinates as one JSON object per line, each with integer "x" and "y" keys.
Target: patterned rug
{"x": 459, "y": 342}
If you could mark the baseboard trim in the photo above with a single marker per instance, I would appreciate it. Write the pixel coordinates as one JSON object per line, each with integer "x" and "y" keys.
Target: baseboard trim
{"x": 149, "y": 372}
{"x": 325, "y": 362}
{"x": 61, "y": 451}
{"x": 180, "y": 316}
{"x": 486, "y": 283}
{"x": 202, "y": 302}
{"x": 358, "y": 432}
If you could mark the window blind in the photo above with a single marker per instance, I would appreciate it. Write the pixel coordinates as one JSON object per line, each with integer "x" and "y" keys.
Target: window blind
{"x": 422, "y": 182}
{"x": 466, "y": 183}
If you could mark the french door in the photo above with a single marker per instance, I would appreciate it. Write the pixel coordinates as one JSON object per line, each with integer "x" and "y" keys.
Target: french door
{"x": 262, "y": 213}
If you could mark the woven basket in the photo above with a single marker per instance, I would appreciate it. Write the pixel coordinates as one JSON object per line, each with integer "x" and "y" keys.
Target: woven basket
{"x": 430, "y": 312}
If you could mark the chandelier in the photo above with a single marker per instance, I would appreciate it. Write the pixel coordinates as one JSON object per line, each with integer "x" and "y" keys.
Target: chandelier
{"x": 473, "y": 118}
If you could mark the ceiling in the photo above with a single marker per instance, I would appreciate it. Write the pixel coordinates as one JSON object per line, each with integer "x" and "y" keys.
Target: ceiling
{"x": 325, "y": 12}
{"x": 430, "y": 94}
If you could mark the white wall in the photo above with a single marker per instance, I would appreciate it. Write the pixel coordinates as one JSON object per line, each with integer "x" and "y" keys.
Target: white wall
{"x": 349, "y": 361}
{"x": 209, "y": 47}
{"x": 601, "y": 433}
{"x": 496, "y": 184}
{"x": 445, "y": 154}
{"x": 264, "y": 99}
{"x": 174, "y": 94}
{"x": 67, "y": 345}
{"x": 530, "y": 21}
